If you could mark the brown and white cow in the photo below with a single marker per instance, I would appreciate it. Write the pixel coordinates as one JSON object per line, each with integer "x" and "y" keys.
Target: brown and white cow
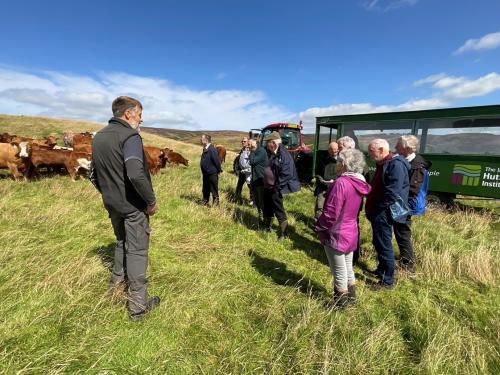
{"x": 73, "y": 161}
{"x": 15, "y": 158}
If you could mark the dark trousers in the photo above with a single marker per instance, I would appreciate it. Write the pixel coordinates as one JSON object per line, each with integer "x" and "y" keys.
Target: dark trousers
{"x": 258, "y": 198}
{"x": 242, "y": 178}
{"x": 131, "y": 256}
{"x": 273, "y": 205}
{"x": 211, "y": 185}
{"x": 382, "y": 241}
{"x": 402, "y": 232}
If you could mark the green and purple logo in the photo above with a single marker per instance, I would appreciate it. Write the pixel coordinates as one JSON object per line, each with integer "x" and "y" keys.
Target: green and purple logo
{"x": 467, "y": 175}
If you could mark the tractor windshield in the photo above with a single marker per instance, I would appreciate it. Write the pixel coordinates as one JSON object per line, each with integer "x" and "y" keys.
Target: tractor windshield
{"x": 290, "y": 137}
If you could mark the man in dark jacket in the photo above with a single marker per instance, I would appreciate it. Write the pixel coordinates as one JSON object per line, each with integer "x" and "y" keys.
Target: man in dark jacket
{"x": 325, "y": 177}
{"x": 280, "y": 178}
{"x": 258, "y": 162}
{"x": 407, "y": 146}
{"x": 120, "y": 173}
{"x": 210, "y": 169}
{"x": 390, "y": 184}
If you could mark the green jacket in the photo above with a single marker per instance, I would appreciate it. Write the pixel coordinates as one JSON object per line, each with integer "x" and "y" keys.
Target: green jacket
{"x": 258, "y": 161}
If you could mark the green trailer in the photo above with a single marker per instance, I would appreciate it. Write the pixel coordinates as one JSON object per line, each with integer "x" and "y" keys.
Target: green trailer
{"x": 463, "y": 144}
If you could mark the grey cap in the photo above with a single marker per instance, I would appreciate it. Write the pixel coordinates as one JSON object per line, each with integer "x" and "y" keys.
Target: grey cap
{"x": 272, "y": 137}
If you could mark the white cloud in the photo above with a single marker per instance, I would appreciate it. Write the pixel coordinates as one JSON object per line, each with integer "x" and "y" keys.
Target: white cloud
{"x": 387, "y": 5}
{"x": 166, "y": 104}
{"x": 430, "y": 79}
{"x": 489, "y": 41}
{"x": 309, "y": 116}
{"x": 454, "y": 88}
{"x": 221, "y": 75}
{"x": 447, "y": 89}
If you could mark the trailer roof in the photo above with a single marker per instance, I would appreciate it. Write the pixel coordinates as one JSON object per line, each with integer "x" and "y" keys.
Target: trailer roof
{"x": 412, "y": 115}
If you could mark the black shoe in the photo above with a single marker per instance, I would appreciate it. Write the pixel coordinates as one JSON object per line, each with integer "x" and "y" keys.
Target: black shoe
{"x": 204, "y": 202}
{"x": 380, "y": 286}
{"x": 216, "y": 202}
{"x": 153, "y": 302}
{"x": 340, "y": 301}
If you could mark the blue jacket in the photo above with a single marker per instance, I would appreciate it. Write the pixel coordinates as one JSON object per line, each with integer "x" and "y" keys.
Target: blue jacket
{"x": 210, "y": 162}
{"x": 285, "y": 174}
{"x": 395, "y": 183}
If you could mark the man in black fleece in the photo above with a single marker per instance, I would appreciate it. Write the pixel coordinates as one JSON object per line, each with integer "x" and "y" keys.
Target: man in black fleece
{"x": 210, "y": 169}
{"x": 120, "y": 172}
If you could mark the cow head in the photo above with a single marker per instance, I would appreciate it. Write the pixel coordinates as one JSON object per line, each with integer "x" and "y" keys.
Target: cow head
{"x": 24, "y": 149}
{"x": 51, "y": 141}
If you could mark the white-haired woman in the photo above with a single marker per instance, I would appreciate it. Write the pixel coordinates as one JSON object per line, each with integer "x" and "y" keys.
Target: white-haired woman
{"x": 337, "y": 227}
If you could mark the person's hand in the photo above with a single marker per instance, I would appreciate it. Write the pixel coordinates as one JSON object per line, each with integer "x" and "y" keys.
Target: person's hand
{"x": 152, "y": 209}
{"x": 329, "y": 182}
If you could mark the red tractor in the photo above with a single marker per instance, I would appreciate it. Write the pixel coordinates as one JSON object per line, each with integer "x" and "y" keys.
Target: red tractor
{"x": 291, "y": 137}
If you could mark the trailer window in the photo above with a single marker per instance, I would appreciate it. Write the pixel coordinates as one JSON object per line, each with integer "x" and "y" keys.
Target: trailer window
{"x": 364, "y": 132}
{"x": 469, "y": 136}
{"x": 326, "y": 135}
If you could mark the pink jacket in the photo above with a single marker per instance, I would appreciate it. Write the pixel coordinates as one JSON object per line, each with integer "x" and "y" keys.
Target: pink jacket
{"x": 337, "y": 226}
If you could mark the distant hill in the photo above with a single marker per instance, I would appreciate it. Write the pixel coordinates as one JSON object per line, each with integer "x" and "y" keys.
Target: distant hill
{"x": 230, "y": 139}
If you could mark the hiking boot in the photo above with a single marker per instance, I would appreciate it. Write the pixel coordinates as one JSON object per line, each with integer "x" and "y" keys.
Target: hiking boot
{"x": 340, "y": 301}
{"x": 352, "y": 293}
{"x": 153, "y": 302}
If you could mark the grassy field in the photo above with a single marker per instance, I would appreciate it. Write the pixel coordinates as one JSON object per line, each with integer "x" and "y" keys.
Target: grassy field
{"x": 234, "y": 300}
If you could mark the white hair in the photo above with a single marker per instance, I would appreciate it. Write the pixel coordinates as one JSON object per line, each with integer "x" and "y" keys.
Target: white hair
{"x": 380, "y": 143}
{"x": 353, "y": 160}
{"x": 409, "y": 142}
{"x": 347, "y": 142}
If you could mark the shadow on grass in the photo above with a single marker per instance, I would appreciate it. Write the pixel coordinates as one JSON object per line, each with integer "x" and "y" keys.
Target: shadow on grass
{"x": 308, "y": 221}
{"x": 312, "y": 248}
{"x": 106, "y": 254}
{"x": 246, "y": 218}
{"x": 280, "y": 275}
{"x": 196, "y": 199}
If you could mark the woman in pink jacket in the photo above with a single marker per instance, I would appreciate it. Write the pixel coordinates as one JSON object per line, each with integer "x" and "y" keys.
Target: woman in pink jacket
{"x": 337, "y": 227}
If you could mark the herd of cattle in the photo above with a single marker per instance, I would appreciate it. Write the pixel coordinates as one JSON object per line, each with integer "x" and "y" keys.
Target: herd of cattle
{"x": 26, "y": 157}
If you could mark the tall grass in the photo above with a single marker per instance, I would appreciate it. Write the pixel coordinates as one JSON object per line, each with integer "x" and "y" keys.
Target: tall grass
{"x": 234, "y": 300}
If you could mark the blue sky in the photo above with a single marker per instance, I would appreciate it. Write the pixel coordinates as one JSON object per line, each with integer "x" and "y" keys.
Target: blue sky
{"x": 242, "y": 64}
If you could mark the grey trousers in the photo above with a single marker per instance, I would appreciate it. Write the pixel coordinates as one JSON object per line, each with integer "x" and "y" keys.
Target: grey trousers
{"x": 341, "y": 267}
{"x": 131, "y": 256}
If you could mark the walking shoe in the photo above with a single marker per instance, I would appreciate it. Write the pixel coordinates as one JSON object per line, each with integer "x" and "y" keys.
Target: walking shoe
{"x": 339, "y": 302}
{"x": 153, "y": 302}
{"x": 352, "y": 293}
